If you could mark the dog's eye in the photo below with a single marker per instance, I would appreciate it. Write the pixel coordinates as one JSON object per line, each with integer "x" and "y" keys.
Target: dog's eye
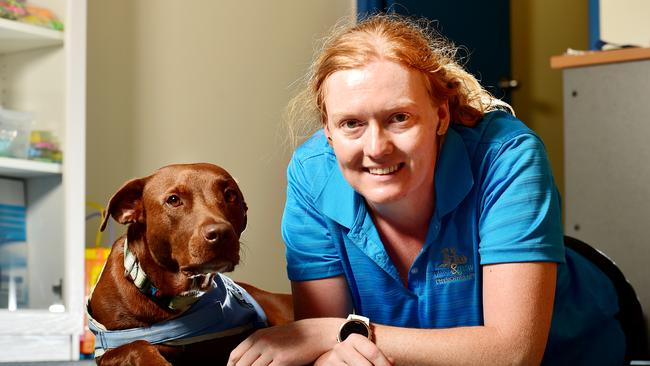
{"x": 230, "y": 195}
{"x": 174, "y": 200}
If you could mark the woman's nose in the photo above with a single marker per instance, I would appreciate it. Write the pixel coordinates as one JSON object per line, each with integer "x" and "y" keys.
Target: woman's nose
{"x": 377, "y": 142}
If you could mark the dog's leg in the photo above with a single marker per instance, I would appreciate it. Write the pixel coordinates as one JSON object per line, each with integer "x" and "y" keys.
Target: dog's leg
{"x": 138, "y": 353}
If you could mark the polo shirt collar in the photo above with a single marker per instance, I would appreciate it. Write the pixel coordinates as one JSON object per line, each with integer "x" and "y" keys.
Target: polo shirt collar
{"x": 338, "y": 200}
{"x": 454, "y": 180}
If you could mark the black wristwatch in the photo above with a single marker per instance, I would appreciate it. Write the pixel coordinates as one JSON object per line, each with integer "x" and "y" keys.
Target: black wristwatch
{"x": 355, "y": 324}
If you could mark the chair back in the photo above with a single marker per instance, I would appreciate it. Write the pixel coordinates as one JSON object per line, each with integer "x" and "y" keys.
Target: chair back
{"x": 630, "y": 311}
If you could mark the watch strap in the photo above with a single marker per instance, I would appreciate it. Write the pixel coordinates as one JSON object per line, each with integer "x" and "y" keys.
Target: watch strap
{"x": 359, "y": 317}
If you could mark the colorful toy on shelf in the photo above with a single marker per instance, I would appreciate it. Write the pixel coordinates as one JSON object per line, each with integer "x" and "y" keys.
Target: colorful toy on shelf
{"x": 41, "y": 17}
{"x": 12, "y": 9}
{"x": 21, "y": 11}
{"x": 43, "y": 147}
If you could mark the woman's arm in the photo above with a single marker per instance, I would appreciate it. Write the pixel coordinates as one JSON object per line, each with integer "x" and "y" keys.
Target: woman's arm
{"x": 517, "y": 308}
{"x": 319, "y": 306}
{"x": 328, "y": 297}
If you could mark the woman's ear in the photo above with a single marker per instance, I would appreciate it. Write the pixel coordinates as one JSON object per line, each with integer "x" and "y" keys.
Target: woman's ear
{"x": 328, "y": 134}
{"x": 443, "y": 118}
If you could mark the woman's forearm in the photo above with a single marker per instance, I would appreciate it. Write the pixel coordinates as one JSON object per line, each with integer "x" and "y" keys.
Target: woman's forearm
{"x": 479, "y": 345}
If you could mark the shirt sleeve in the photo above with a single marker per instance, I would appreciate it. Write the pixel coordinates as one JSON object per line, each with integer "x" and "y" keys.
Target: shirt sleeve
{"x": 520, "y": 217}
{"x": 310, "y": 251}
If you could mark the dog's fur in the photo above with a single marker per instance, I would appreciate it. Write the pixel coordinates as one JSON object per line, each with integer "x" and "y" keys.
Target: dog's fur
{"x": 184, "y": 220}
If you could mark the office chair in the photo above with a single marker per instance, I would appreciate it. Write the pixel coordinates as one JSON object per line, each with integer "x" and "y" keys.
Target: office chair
{"x": 630, "y": 312}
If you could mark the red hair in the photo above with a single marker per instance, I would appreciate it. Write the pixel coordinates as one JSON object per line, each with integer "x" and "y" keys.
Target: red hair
{"x": 411, "y": 43}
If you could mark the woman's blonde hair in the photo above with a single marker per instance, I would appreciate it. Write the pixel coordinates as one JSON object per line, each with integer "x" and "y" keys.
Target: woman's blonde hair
{"x": 409, "y": 42}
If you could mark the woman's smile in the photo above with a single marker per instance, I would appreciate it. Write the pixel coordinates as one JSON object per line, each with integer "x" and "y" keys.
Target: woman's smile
{"x": 389, "y": 170}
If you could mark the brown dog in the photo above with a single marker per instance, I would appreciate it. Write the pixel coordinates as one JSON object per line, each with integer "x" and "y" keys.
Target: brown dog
{"x": 184, "y": 226}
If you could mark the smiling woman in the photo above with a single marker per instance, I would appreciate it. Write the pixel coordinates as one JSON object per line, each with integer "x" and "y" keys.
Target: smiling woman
{"x": 426, "y": 207}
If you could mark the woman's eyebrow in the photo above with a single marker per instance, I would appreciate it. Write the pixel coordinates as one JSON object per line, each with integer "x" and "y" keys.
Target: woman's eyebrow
{"x": 343, "y": 116}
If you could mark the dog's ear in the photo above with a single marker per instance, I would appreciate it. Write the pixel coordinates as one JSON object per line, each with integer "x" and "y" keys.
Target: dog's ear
{"x": 126, "y": 205}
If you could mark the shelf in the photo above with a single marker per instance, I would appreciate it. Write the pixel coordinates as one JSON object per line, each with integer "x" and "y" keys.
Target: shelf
{"x": 16, "y": 36}
{"x": 21, "y": 168}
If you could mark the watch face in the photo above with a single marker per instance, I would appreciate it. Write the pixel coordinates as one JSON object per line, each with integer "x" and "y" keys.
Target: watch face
{"x": 353, "y": 327}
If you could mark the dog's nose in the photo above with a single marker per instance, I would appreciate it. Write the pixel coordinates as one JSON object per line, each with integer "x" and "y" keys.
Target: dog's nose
{"x": 214, "y": 232}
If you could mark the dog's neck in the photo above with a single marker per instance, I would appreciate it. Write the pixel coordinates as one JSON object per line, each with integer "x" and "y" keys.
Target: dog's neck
{"x": 177, "y": 302}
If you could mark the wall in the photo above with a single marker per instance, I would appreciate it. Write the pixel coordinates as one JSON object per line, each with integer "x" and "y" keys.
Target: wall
{"x": 541, "y": 29}
{"x": 109, "y": 113}
{"x": 172, "y": 82}
{"x": 625, "y": 22}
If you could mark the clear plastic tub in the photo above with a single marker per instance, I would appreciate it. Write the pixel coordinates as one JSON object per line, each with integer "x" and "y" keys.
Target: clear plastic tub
{"x": 15, "y": 129}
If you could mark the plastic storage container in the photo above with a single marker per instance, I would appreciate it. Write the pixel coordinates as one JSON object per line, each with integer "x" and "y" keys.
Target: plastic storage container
{"x": 15, "y": 130}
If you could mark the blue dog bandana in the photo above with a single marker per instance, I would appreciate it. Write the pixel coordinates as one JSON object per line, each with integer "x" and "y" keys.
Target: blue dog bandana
{"x": 225, "y": 310}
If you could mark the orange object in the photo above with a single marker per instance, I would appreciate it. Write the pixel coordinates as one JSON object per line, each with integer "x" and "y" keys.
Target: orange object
{"x": 94, "y": 263}
{"x": 95, "y": 259}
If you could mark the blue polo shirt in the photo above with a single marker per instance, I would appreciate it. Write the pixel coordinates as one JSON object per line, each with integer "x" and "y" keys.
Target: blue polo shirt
{"x": 496, "y": 202}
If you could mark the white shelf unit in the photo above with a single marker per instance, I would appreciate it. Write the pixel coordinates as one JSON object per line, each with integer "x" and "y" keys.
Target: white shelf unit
{"x": 44, "y": 72}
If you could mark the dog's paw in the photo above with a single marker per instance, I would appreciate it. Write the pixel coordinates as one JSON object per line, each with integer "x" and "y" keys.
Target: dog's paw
{"x": 138, "y": 353}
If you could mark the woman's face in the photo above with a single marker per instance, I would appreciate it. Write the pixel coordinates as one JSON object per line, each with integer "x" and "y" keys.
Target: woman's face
{"x": 383, "y": 129}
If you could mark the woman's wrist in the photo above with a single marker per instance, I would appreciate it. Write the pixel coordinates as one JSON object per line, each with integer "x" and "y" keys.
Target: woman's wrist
{"x": 321, "y": 331}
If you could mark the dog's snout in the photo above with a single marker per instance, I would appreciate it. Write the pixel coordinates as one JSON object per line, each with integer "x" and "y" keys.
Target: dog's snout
{"x": 214, "y": 232}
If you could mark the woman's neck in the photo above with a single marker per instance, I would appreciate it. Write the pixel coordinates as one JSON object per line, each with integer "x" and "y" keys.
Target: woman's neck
{"x": 403, "y": 228}
{"x": 409, "y": 217}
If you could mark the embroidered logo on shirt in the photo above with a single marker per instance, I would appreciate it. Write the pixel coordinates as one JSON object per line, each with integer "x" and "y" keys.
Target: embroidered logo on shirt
{"x": 453, "y": 268}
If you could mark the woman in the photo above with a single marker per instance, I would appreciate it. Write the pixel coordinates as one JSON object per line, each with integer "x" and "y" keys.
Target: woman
{"x": 425, "y": 206}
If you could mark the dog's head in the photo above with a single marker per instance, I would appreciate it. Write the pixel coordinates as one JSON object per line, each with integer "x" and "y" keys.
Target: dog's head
{"x": 190, "y": 216}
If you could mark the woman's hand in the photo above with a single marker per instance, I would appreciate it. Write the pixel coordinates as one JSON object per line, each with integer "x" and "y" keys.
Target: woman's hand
{"x": 297, "y": 343}
{"x": 355, "y": 350}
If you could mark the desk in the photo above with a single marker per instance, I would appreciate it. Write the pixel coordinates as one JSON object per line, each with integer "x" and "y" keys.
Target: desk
{"x": 607, "y": 157}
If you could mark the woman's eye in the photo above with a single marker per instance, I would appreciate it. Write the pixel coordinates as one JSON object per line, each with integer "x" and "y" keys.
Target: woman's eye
{"x": 400, "y": 117}
{"x": 230, "y": 195}
{"x": 174, "y": 200}
{"x": 350, "y": 124}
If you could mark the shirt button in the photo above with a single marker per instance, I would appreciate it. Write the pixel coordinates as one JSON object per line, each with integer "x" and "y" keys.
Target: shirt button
{"x": 414, "y": 270}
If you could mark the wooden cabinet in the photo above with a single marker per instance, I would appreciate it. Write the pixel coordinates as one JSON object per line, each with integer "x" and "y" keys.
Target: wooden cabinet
{"x": 43, "y": 72}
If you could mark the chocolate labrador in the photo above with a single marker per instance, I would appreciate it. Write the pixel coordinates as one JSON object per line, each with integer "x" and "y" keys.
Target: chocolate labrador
{"x": 162, "y": 298}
